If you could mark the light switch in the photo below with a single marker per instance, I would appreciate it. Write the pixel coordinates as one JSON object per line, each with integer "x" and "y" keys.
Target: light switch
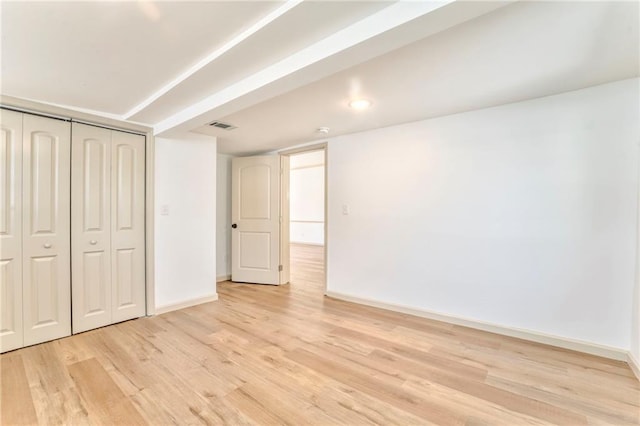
{"x": 345, "y": 209}
{"x": 164, "y": 210}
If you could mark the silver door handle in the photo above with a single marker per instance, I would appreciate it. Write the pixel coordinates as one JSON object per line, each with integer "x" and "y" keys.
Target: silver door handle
{"x": 47, "y": 246}
{"x": 93, "y": 242}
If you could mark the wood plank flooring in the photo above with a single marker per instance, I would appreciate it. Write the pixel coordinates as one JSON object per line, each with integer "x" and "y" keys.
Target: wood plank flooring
{"x": 287, "y": 355}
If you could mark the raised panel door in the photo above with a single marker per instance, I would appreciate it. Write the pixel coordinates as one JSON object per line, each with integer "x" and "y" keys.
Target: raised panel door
{"x": 46, "y": 218}
{"x": 91, "y": 227}
{"x": 255, "y": 211}
{"x": 11, "y": 330}
{"x": 127, "y": 226}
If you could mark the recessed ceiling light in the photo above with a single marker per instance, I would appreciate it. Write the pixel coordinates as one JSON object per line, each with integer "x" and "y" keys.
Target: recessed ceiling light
{"x": 360, "y": 104}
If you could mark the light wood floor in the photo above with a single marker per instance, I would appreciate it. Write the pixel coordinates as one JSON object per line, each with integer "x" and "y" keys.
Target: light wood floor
{"x": 287, "y": 355}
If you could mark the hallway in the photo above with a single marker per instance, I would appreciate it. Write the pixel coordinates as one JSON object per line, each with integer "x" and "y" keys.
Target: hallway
{"x": 307, "y": 268}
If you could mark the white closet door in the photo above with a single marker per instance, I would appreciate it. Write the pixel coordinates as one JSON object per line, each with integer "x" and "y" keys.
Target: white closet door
{"x": 91, "y": 227}
{"x": 127, "y": 224}
{"x": 11, "y": 333}
{"x": 46, "y": 217}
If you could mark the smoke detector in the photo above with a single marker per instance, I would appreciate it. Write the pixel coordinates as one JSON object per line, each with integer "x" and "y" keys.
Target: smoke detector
{"x": 322, "y": 130}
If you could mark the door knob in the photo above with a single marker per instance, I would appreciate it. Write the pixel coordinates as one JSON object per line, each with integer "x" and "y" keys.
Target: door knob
{"x": 93, "y": 242}
{"x": 47, "y": 246}
{"x": 234, "y": 226}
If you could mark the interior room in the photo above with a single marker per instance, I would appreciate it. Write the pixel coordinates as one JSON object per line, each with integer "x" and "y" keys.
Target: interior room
{"x": 320, "y": 212}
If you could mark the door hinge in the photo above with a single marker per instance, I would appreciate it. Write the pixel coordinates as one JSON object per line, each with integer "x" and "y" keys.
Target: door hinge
{"x": 280, "y": 268}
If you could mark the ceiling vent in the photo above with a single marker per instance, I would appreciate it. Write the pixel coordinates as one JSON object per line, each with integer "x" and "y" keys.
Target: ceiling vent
{"x": 221, "y": 125}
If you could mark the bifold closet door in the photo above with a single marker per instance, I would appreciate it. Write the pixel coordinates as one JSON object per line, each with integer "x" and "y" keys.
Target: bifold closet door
{"x": 127, "y": 226}
{"x": 91, "y": 227}
{"x": 108, "y": 227}
{"x": 11, "y": 332}
{"x": 46, "y": 216}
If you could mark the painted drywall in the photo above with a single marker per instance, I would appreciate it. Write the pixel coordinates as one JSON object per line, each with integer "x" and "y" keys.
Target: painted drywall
{"x": 223, "y": 217}
{"x": 185, "y": 230}
{"x": 522, "y": 215}
{"x": 306, "y": 198}
{"x": 635, "y": 317}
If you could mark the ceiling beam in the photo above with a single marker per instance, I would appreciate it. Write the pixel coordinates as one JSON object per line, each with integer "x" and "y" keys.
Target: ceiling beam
{"x": 387, "y": 19}
{"x": 266, "y": 20}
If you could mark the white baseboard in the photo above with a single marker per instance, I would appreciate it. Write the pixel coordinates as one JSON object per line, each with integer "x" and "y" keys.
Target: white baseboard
{"x": 561, "y": 342}
{"x": 221, "y": 278}
{"x": 634, "y": 364}
{"x": 186, "y": 304}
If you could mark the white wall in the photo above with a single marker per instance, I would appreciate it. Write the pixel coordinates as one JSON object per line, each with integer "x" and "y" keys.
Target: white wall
{"x": 523, "y": 215}
{"x": 223, "y": 217}
{"x": 185, "y": 178}
{"x": 306, "y": 198}
{"x": 635, "y": 318}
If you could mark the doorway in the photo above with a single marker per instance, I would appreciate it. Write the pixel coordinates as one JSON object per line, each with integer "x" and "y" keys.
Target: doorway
{"x": 261, "y": 218}
{"x": 307, "y": 220}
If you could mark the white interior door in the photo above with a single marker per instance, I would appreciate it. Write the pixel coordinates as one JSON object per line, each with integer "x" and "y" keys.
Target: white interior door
{"x": 11, "y": 332}
{"x": 255, "y": 216}
{"x": 91, "y": 227}
{"x": 46, "y": 218}
{"x": 127, "y": 226}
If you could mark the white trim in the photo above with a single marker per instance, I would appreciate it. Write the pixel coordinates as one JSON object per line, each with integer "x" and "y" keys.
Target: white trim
{"x": 303, "y": 149}
{"x": 78, "y": 114}
{"x": 221, "y": 278}
{"x": 547, "y": 339}
{"x": 101, "y": 114}
{"x": 186, "y": 304}
{"x": 150, "y": 245}
{"x": 634, "y": 365}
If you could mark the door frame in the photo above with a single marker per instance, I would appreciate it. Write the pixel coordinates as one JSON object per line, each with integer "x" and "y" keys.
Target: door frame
{"x": 37, "y": 108}
{"x": 323, "y": 146}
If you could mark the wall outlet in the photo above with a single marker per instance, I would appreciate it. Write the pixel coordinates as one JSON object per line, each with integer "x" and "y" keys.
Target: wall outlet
{"x": 345, "y": 209}
{"x": 164, "y": 210}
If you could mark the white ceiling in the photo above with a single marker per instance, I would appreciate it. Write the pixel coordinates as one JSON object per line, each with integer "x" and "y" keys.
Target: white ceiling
{"x": 522, "y": 51}
{"x": 305, "y": 24}
{"x": 279, "y": 70}
{"x": 109, "y": 56}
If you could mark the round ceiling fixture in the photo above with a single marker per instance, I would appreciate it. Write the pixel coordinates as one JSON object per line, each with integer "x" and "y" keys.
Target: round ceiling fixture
{"x": 360, "y": 104}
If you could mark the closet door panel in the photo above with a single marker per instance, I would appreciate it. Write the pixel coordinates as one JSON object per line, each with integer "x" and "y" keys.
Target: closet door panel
{"x": 127, "y": 224}
{"x": 91, "y": 227}
{"x": 46, "y": 217}
{"x": 11, "y": 333}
